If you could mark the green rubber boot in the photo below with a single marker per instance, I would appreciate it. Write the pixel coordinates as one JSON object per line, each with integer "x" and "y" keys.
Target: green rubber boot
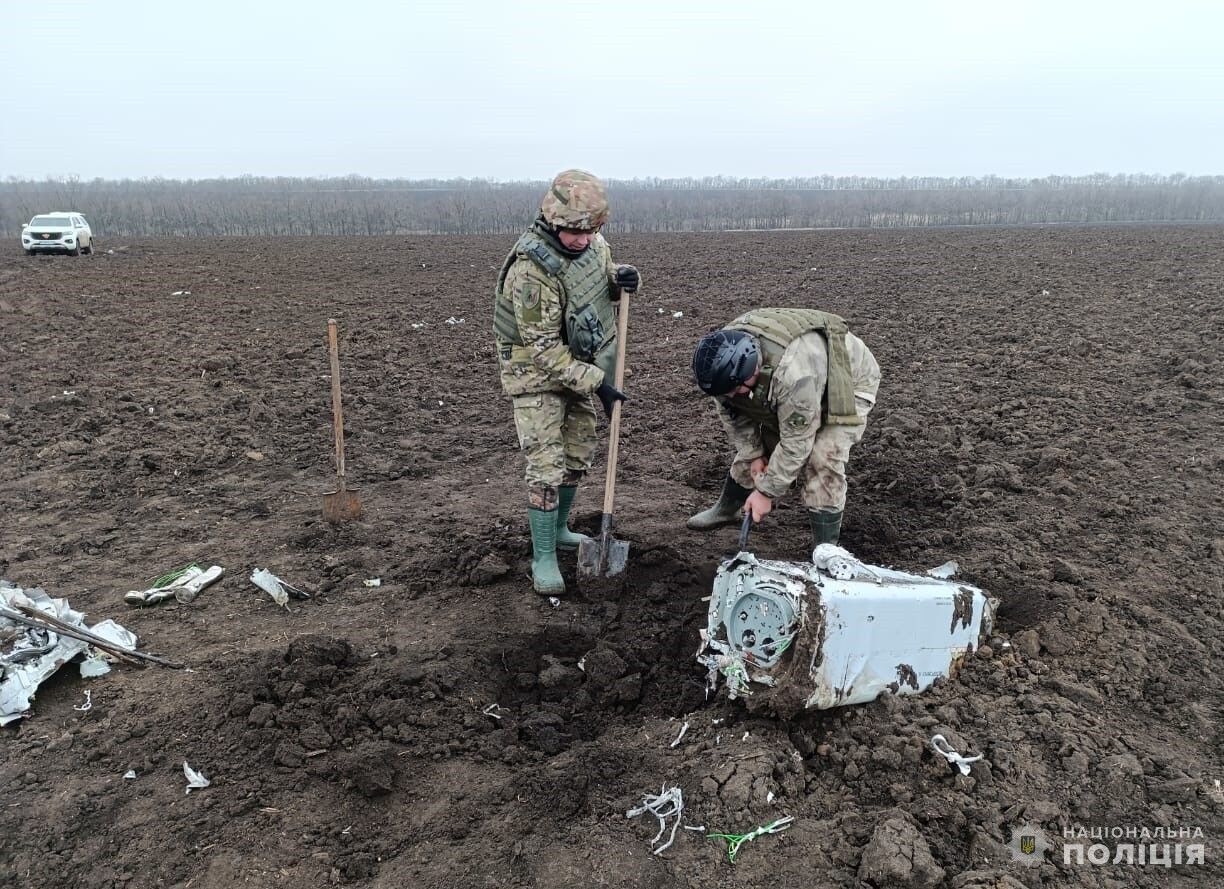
{"x": 567, "y": 539}
{"x": 545, "y": 575}
{"x": 826, "y": 525}
{"x": 726, "y": 511}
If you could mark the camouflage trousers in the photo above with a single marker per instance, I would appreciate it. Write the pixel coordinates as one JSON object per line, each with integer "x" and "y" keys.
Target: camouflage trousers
{"x": 824, "y": 475}
{"x": 556, "y": 432}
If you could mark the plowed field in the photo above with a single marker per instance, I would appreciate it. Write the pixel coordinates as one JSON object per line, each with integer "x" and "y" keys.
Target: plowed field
{"x": 1050, "y": 418}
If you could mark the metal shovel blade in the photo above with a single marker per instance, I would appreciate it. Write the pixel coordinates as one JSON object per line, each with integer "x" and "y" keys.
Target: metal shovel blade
{"x": 341, "y": 506}
{"x": 603, "y": 556}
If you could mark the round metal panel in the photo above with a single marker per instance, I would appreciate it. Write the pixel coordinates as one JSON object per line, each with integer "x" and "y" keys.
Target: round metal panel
{"x": 757, "y": 622}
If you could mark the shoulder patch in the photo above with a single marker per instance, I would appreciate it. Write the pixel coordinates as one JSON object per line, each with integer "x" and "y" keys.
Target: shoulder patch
{"x": 529, "y": 295}
{"x": 797, "y": 420}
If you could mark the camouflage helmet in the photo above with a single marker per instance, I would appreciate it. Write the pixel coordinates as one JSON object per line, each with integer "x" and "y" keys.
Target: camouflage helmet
{"x": 576, "y": 199}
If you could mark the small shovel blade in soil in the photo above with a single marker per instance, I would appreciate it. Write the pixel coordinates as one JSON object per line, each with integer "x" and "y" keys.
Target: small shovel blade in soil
{"x": 603, "y": 556}
{"x": 341, "y": 506}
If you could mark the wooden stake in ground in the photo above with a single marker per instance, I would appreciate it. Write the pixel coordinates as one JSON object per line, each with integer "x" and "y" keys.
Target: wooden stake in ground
{"x": 341, "y": 505}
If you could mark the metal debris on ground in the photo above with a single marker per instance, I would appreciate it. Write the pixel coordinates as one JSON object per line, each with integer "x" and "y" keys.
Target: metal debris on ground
{"x": 861, "y": 630}
{"x": 183, "y": 584}
{"x": 667, "y": 804}
{"x": 944, "y": 571}
{"x": 129, "y": 775}
{"x": 279, "y": 590}
{"x": 88, "y": 705}
{"x": 195, "y": 780}
{"x": 735, "y": 840}
{"x": 680, "y": 737}
{"x": 492, "y": 710}
{"x": 38, "y": 635}
{"x": 941, "y": 746}
{"x": 840, "y": 564}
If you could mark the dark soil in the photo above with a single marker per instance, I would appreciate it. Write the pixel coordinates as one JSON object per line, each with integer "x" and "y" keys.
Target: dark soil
{"x": 1050, "y": 417}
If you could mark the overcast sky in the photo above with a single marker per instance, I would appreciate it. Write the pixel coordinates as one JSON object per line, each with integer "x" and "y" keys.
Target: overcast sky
{"x": 127, "y": 88}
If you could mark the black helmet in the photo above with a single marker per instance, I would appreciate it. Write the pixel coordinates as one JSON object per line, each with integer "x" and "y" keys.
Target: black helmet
{"x": 724, "y": 360}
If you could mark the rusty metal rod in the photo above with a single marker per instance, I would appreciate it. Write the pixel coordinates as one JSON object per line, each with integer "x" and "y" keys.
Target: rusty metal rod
{"x": 43, "y": 621}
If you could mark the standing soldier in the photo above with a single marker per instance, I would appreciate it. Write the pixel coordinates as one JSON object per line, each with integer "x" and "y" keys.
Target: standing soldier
{"x": 793, "y": 388}
{"x": 555, "y": 330}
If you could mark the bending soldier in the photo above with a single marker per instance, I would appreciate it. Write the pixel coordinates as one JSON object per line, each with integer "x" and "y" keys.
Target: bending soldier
{"x": 555, "y": 331}
{"x": 793, "y": 388}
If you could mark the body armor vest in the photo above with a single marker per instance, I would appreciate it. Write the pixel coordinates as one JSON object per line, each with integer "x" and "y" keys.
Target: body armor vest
{"x": 774, "y": 330}
{"x": 589, "y": 321}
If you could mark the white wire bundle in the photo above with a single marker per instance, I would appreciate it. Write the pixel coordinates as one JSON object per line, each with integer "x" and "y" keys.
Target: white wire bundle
{"x": 667, "y": 804}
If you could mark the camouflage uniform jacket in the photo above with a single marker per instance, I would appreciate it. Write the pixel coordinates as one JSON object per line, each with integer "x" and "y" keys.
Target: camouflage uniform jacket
{"x": 796, "y": 395}
{"x": 533, "y": 322}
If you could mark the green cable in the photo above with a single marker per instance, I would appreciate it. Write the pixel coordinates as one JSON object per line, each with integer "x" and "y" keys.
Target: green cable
{"x": 735, "y": 840}
{"x": 171, "y": 576}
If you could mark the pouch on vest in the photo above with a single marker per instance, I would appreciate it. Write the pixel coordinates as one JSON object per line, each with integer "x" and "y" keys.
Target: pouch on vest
{"x": 585, "y": 334}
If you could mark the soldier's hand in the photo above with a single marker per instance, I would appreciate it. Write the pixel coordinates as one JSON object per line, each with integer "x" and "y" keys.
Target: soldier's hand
{"x": 758, "y": 506}
{"x": 627, "y": 278}
{"x": 609, "y": 395}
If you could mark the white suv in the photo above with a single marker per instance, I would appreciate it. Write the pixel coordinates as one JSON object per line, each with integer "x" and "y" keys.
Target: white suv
{"x": 64, "y": 231}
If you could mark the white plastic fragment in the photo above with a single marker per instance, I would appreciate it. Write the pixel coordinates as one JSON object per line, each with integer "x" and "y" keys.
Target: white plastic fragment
{"x": 667, "y": 804}
{"x": 677, "y": 314}
{"x": 554, "y": 601}
{"x": 492, "y": 710}
{"x": 679, "y": 737}
{"x": 129, "y": 775}
{"x": 453, "y": 320}
{"x": 87, "y": 706}
{"x": 941, "y": 746}
{"x": 195, "y": 780}
{"x": 279, "y": 590}
{"x": 372, "y": 582}
{"x": 181, "y": 293}
{"x": 944, "y": 571}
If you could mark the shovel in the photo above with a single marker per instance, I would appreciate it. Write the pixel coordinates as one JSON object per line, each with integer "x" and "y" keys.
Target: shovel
{"x": 605, "y": 556}
{"x": 341, "y": 505}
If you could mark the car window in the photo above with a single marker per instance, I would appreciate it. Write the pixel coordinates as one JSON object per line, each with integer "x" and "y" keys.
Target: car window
{"x": 51, "y": 220}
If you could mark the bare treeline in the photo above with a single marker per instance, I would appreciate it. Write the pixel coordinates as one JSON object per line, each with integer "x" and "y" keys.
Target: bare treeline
{"x": 355, "y": 205}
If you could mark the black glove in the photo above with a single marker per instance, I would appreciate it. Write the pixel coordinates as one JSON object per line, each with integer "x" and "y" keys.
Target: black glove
{"x": 609, "y": 395}
{"x": 627, "y": 278}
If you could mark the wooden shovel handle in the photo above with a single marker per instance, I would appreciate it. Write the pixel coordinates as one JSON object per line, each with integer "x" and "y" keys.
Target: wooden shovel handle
{"x": 622, "y": 336}
{"x": 333, "y": 349}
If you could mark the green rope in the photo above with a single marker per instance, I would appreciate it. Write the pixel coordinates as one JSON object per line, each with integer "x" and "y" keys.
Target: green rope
{"x": 735, "y": 840}
{"x": 171, "y": 576}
